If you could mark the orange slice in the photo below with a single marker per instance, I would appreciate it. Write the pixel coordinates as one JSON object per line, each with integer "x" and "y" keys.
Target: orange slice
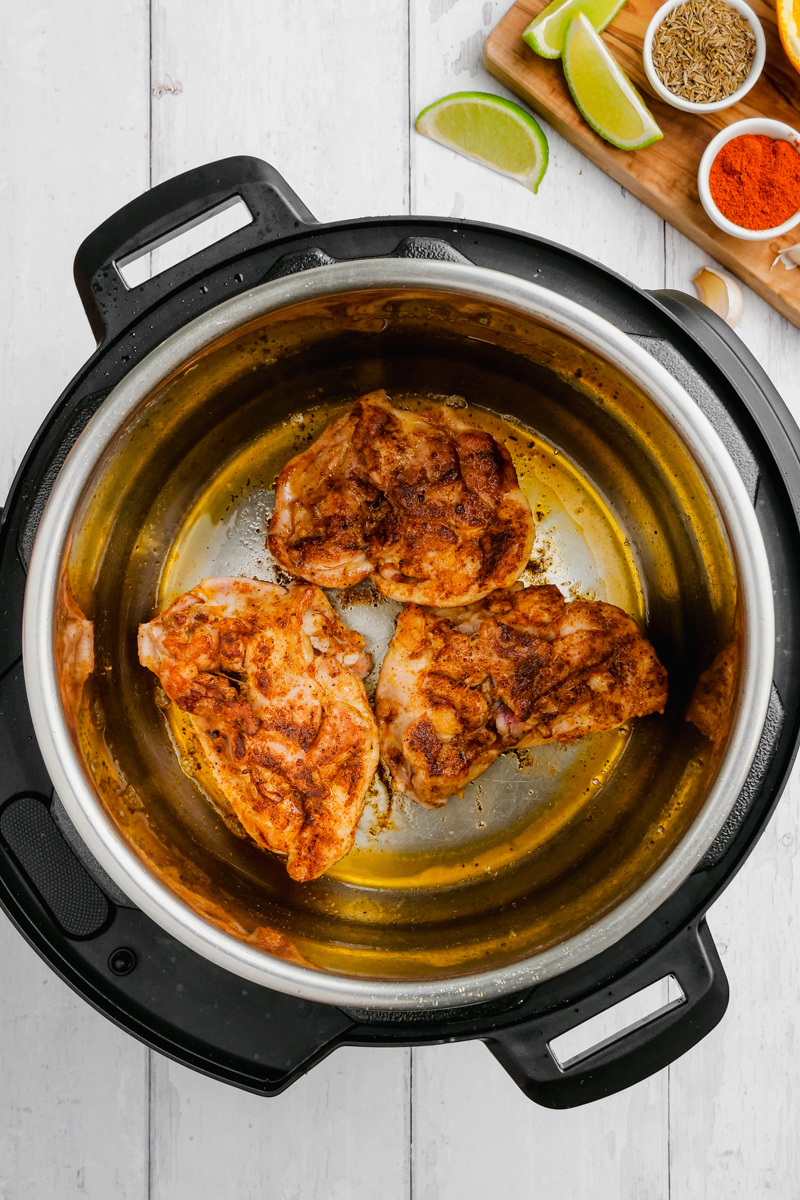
{"x": 789, "y": 28}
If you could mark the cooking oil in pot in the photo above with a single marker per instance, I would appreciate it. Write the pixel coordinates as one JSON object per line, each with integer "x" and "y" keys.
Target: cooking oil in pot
{"x": 525, "y": 799}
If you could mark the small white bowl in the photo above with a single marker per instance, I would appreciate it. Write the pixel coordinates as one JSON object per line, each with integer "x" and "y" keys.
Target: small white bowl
{"x": 711, "y": 105}
{"x": 774, "y": 129}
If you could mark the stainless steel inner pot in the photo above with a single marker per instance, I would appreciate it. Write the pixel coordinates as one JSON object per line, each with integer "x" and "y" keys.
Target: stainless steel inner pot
{"x": 550, "y": 857}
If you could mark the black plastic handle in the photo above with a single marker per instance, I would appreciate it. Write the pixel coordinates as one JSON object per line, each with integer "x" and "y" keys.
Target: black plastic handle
{"x": 732, "y": 357}
{"x": 647, "y": 1047}
{"x": 166, "y": 210}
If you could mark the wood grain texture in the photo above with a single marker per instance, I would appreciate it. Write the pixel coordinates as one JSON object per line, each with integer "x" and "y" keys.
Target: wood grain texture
{"x": 663, "y": 176}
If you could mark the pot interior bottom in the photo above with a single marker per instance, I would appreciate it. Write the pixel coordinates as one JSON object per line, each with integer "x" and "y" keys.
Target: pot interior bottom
{"x": 525, "y": 798}
{"x": 547, "y": 840}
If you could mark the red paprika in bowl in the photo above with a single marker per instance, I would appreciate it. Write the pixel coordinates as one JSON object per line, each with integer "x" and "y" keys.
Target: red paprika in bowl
{"x": 755, "y": 181}
{"x": 749, "y": 179}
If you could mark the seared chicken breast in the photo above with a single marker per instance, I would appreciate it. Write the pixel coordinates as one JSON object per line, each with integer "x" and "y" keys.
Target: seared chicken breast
{"x": 520, "y": 668}
{"x": 428, "y": 505}
{"x": 710, "y": 703}
{"x": 74, "y": 649}
{"x": 273, "y": 682}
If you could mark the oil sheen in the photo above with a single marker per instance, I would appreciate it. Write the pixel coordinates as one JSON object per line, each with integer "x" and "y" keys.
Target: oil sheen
{"x": 524, "y": 799}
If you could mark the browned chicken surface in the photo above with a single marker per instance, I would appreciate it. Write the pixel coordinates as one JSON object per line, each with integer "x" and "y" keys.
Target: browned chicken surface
{"x": 710, "y": 704}
{"x": 428, "y": 505}
{"x": 273, "y": 682}
{"x": 523, "y": 667}
{"x": 74, "y": 649}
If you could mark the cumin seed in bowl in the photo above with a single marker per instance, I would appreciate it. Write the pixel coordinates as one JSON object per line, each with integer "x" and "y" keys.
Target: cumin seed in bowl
{"x": 703, "y": 53}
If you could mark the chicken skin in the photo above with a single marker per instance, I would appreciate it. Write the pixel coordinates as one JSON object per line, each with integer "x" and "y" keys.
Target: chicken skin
{"x": 428, "y": 505}
{"x": 521, "y": 668}
{"x": 273, "y": 682}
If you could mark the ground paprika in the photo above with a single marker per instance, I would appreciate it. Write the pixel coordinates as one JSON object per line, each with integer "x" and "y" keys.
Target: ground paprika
{"x": 755, "y": 181}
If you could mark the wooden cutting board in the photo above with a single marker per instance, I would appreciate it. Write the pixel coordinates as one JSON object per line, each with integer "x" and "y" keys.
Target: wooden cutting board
{"x": 664, "y": 175}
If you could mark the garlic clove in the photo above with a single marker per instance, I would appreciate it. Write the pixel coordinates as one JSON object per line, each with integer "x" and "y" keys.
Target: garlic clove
{"x": 790, "y": 257}
{"x": 721, "y": 293}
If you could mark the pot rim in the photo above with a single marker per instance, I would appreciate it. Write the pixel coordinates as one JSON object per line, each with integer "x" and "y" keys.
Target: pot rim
{"x": 95, "y": 826}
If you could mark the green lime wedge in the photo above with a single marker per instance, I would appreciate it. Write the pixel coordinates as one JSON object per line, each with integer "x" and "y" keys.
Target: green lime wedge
{"x": 495, "y": 132}
{"x": 602, "y": 91}
{"x": 546, "y": 33}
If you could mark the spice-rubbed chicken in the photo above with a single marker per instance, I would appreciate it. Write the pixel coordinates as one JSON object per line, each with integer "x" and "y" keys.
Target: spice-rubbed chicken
{"x": 273, "y": 682}
{"x": 522, "y": 667}
{"x": 74, "y": 650}
{"x": 428, "y": 505}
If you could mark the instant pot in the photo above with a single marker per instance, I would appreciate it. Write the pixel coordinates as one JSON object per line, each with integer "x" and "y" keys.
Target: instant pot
{"x": 112, "y": 864}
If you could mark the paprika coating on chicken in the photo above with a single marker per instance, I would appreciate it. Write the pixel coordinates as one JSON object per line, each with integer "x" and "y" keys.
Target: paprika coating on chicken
{"x": 74, "y": 650}
{"x": 428, "y": 505}
{"x": 273, "y": 682}
{"x": 518, "y": 669}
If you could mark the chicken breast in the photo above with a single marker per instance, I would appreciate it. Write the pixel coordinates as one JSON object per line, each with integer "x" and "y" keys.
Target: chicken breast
{"x": 74, "y": 650}
{"x": 428, "y": 505}
{"x": 521, "y": 668}
{"x": 273, "y": 682}
{"x": 710, "y": 703}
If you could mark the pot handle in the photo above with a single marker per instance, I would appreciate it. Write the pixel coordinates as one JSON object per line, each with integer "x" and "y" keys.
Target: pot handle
{"x": 729, "y": 353}
{"x": 641, "y": 1050}
{"x": 161, "y": 214}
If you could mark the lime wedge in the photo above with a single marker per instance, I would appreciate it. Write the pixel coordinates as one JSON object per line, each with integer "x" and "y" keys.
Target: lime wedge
{"x": 602, "y": 91}
{"x": 495, "y": 132}
{"x": 546, "y": 33}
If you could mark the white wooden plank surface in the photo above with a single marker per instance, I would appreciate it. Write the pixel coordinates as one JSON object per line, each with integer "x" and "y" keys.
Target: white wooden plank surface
{"x": 74, "y": 134}
{"x": 341, "y": 1132}
{"x": 475, "y": 1134}
{"x": 74, "y": 1090}
{"x": 75, "y": 138}
{"x": 318, "y": 89}
{"x": 327, "y": 91}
